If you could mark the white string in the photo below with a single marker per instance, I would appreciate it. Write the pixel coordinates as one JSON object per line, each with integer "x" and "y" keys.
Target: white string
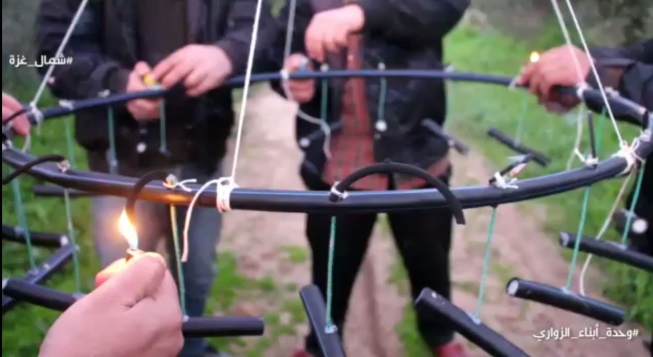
{"x": 592, "y": 66}
{"x": 224, "y": 187}
{"x": 599, "y": 236}
{"x": 65, "y": 40}
{"x": 324, "y": 126}
{"x": 579, "y": 135}
{"x": 248, "y": 76}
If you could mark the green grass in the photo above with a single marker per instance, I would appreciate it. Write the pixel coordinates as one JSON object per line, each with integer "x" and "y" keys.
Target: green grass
{"x": 474, "y": 108}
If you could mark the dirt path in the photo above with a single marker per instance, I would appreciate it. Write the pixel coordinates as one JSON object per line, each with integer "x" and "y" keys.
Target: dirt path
{"x": 273, "y": 245}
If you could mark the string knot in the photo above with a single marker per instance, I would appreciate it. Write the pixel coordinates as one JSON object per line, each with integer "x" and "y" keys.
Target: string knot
{"x": 225, "y": 186}
{"x": 504, "y": 182}
{"x": 36, "y": 114}
{"x": 63, "y": 166}
{"x": 335, "y": 192}
{"x": 173, "y": 183}
{"x": 629, "y": 153}
{"x": 589, "y": 161}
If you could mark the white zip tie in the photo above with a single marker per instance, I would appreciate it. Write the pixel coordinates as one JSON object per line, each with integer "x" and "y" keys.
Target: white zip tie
{"x": 225, "y": 185}
{"x": 589, "y": 161}
{"x": 341, "y": 195}
{"x": 500, "y": 182}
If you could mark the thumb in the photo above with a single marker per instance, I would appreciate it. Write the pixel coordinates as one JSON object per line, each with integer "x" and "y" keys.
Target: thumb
{"x": 141, "y": 278}
{"x": 142, "y": 69}
{"x": 296, "y": 61}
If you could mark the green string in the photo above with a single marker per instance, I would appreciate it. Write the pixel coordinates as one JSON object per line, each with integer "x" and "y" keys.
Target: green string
{"x": 599, "y": 132}
{"x": 330, "y": 327}
{"x": 325, "y": 98}
{"x": 631, "y": 211}
{"x": 382, "y": 94}
{"x": 22, "y": 220}
{"x": 522, "y": 119}
{"x": 71, "y": 235}
{"x": 69, "y": 140}
{"x": 162, "y": 128}
{"x": 180, "y": 271}
{"x": 486, "y": 263}
{"x": 113, "y": 161}
{"x": 69, "y": 216}
{"x": 579, "y": 237}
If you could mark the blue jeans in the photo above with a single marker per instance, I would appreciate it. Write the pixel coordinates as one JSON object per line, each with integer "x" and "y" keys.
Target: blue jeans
{"x": 154, "y": 227}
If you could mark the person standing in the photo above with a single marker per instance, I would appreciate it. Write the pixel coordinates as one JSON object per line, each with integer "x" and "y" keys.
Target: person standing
{"x": 374, "y": 34}
{"x": 190, "y": 47}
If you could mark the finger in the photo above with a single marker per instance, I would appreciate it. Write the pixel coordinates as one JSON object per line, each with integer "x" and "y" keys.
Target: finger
{"x": 168, "y": 64}
{"x": 113, "y": 269}
{"x": 203, "y": 87}
{"x": 296, "y": 61}
{"x": 525, "y": 75}
{"x": 313, "y": 41}
{"x": 142, "y": 69}
{"x": 10, "y": 103}
{"x": 141, "y": 278}
{"x": 144, "y": 106}
{"x": 195, "y": 78}
{"x": 177, "y": 73}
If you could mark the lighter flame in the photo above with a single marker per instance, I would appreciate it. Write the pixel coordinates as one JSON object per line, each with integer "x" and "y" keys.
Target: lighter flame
{"x": 535, "y": 57}
{"x": 128, "y": 230}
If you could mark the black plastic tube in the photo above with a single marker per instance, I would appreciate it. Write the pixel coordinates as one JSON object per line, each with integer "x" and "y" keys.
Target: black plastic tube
{"x": 452, "y": 141}
{"x": 317, "y": 201}
{"x": 623, "y": 108}
{"x": 609, "y": 250}
{"x": 130, "y": 206}
{"x": 475, "y": 331}
{"x": 330, "y": 343}
{"x": 56, "y": 191}
{"x": 565, "y": 300}
{"x": 638, "y": 225}
{"x": 394, "y": 167}
{"x": 41, "y": 274}
{"x": 223, "y": 326}
{"x": 506, "y": 140}
{"x": 44, "y": 239}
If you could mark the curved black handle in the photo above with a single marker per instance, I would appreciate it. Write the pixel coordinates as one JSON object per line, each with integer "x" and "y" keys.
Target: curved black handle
{"x": 130, "y": 206}
{"x": 395, "y": 167}
{"x": 223, "y": 326}
{"x": 25, "y": 168}
{"x": 566, "y": 300}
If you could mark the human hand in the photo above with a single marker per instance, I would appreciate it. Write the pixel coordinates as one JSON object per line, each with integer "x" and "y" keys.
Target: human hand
{"x": 133, "y": 312}
{"x": 11, "y": 106}
{"x": 329, "y": 29}
{"x": 300, "y": 90}
{"x": 201, "y": 68}
{"x": 142, "y": 109}
{"x": 556, "y": 67}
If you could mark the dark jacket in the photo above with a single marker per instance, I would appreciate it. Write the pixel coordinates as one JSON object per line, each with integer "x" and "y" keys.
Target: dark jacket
{"x": 403, "y": 34}
{"x": 105, "y": 46}
{"x": 628, "y": 70}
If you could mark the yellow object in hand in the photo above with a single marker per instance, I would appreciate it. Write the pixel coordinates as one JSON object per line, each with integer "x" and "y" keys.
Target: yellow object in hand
{"x": 149, "y": 80}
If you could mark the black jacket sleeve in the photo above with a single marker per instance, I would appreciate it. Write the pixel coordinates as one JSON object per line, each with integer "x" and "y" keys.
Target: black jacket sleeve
{"x": 91, "y": 71}
{"x": 422, "y": 22}
{"x": 240, "y": 23}
{"x": 628, "y": 70}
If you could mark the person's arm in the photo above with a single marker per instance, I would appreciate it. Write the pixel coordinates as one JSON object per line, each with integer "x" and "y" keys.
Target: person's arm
{"x": 91, "y": 71}
{"x": 418, "y": 21}
{"x": 237, "y": 39}
{"x": 629, "y": 71}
